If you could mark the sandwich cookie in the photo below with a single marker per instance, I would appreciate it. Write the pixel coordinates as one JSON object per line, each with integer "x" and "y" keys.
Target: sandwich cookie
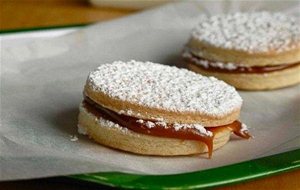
{"x": 152, "y": 109}
{"x": 251, "y": 51}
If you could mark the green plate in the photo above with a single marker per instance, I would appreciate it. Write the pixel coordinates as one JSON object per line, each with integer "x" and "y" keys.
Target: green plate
{"x": 230, "y": 174}
{"x": 202, "y": 179}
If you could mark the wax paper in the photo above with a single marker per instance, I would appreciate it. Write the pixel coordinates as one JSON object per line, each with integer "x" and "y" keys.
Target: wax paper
{"x": 42, "y": 81}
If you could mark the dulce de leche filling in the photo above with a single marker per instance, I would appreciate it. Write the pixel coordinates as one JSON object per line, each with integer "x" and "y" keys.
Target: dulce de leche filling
{"x": 161, "y": 129}
{"x": 231, "y": 67}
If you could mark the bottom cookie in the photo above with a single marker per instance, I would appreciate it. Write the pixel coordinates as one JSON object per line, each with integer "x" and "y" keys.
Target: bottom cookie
{"x": 113, "y": 135}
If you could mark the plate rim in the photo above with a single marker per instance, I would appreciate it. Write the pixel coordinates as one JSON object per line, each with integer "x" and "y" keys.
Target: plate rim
{"x": 245, "y": 171}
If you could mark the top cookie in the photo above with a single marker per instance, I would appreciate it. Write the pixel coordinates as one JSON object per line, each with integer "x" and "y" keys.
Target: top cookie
{"x": 153, "y": 91}
{"x": 248, "y": 39}
{"x": 256, "y": 32}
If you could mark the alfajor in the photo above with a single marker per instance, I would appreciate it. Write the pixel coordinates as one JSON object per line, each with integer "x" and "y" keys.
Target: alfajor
{"x": 152, "y": 109}
{"x": 251, "y": 51}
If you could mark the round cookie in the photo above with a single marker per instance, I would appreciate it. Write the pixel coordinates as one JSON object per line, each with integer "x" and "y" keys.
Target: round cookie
{"x": 257, "y": 39}
{"x": 154, "y": 109}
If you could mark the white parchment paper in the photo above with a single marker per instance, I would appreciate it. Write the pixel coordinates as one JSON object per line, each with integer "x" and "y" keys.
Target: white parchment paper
{"x": 42, "y": 81}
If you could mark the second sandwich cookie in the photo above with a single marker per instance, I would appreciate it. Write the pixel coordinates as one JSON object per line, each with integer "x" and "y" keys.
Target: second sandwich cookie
{"x": 252, "y": 51}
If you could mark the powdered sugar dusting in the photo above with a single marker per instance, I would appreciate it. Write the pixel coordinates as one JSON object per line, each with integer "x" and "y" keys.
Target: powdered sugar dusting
{"x": 198, "y": 127}
{"x": 73, "y": 138}
{"x": 177, "y": 126}
{"x": 250, "y": 32}
{"x": 82, "y": 130}
{"x": 150, "y": 124}
{"x": 140, "y": 121}
{"x": 161, "y": 123}
{"x": 103, "y": 122}
{"x": 244, "y": 128}
{"x": 126, "y": 112}
{"x": 164, "y": 87}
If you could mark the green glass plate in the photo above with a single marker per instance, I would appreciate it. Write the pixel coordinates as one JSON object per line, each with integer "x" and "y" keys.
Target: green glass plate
{"x": 225, "y": 175}
{"x": 202, "y": 179}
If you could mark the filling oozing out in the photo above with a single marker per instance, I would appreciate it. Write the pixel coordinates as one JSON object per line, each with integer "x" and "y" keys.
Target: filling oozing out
{"x": 162, "y": 129}
{"x": 232, "y": 67}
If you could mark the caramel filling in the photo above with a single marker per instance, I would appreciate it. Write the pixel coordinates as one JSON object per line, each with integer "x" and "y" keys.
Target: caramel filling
{"x": 233, "y": 68}
{"x": 159, "y": 130}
